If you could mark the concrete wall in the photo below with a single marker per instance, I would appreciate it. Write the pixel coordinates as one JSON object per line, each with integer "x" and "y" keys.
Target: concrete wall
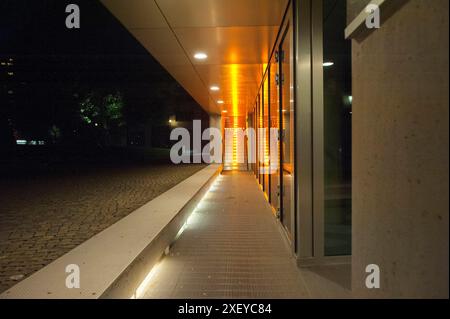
{"x": 354, "y": 7}
{"x": 400, "y": 153}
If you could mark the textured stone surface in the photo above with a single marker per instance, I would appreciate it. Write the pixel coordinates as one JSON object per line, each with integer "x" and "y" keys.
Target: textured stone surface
{"x": 400, "y": 157}
{"x": 43, "y": 218}
{"x": 354, "y": 8}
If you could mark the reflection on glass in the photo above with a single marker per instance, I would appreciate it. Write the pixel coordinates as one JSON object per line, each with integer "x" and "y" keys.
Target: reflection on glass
{"x": 266, "y": 136}
{"x": 337, "y": 130}
{"x": 287, "y": 148}
{"x": 274, "y": 147}
{"x": 260, "y": 140}
{"x": 252, "y": 126}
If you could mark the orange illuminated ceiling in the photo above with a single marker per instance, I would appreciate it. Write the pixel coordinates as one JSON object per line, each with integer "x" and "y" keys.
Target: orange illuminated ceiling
{"x": 236, "y": 35}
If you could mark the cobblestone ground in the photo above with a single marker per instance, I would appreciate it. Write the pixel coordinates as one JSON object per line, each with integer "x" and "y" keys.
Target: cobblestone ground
{"x": 42, "y": 218}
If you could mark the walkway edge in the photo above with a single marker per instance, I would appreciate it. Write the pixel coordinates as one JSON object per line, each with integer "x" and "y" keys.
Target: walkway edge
{"x": 116, "y": 261}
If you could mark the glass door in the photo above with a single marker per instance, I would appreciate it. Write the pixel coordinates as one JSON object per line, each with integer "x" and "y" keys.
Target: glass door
{"x": 265, "y": 138}
{"x": 274, "y": 144}
{"x": 287, "y": 132}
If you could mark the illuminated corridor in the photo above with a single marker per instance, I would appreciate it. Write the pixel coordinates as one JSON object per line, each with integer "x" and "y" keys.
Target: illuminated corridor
{"x": 323, "y": 129}
{"x": 232, "y": 247}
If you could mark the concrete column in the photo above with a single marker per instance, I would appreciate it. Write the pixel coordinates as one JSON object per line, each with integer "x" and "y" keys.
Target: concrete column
{"x": 400, "y": 153}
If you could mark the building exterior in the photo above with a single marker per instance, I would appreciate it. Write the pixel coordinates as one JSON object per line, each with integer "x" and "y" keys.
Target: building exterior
{"x": 361, "y": 175}
{"x": 337, "y": 113}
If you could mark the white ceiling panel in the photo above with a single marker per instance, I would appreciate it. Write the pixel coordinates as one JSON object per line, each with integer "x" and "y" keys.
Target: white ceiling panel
{"x": 237, "y": 36}
{"x": 229, "y": 45}
{"x": 136, "y": 14}
{"x": 221, "y": 13}
{"x": 163, "y": 45}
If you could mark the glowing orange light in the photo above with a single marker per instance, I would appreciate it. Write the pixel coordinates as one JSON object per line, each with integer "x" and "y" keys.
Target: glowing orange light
{"x": 234, "y": 69}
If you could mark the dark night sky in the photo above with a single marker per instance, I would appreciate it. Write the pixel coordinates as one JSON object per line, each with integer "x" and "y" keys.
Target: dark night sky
{"x": 51, "y": 63}
{"x": 38, "y": 28}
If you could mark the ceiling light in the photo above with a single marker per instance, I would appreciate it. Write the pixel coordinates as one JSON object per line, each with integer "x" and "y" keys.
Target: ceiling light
{"x": 201, "y": 56}
{"x": 215, "y": 88}
{"x": 327, "y": 64}
{"x": 224, "y": 111}
{"x": 220, "y": 102}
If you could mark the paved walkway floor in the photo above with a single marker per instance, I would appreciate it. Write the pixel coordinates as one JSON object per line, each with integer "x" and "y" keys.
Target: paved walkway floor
{"x": 45, "y": 216}
{"x": 232, "y": 247}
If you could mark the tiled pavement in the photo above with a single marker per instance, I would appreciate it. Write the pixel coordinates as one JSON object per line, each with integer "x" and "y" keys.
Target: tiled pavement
{"x": 231, "y": 248}
{"x": 43, "y": 218}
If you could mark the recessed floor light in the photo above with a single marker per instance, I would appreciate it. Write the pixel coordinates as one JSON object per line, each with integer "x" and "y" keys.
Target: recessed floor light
{"x": 201, "y": 56}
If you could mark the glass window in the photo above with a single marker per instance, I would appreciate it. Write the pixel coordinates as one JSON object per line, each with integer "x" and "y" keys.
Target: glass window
{"x": 260, "y": 140}
{"x": 287, "y": 149}
{"x": 337, "y": 130}
{"x": 266, "y": 136}
{"x": 274, "y": 146}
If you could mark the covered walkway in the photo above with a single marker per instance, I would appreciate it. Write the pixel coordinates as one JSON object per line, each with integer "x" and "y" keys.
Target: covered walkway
{"x": 231, "y": 247}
